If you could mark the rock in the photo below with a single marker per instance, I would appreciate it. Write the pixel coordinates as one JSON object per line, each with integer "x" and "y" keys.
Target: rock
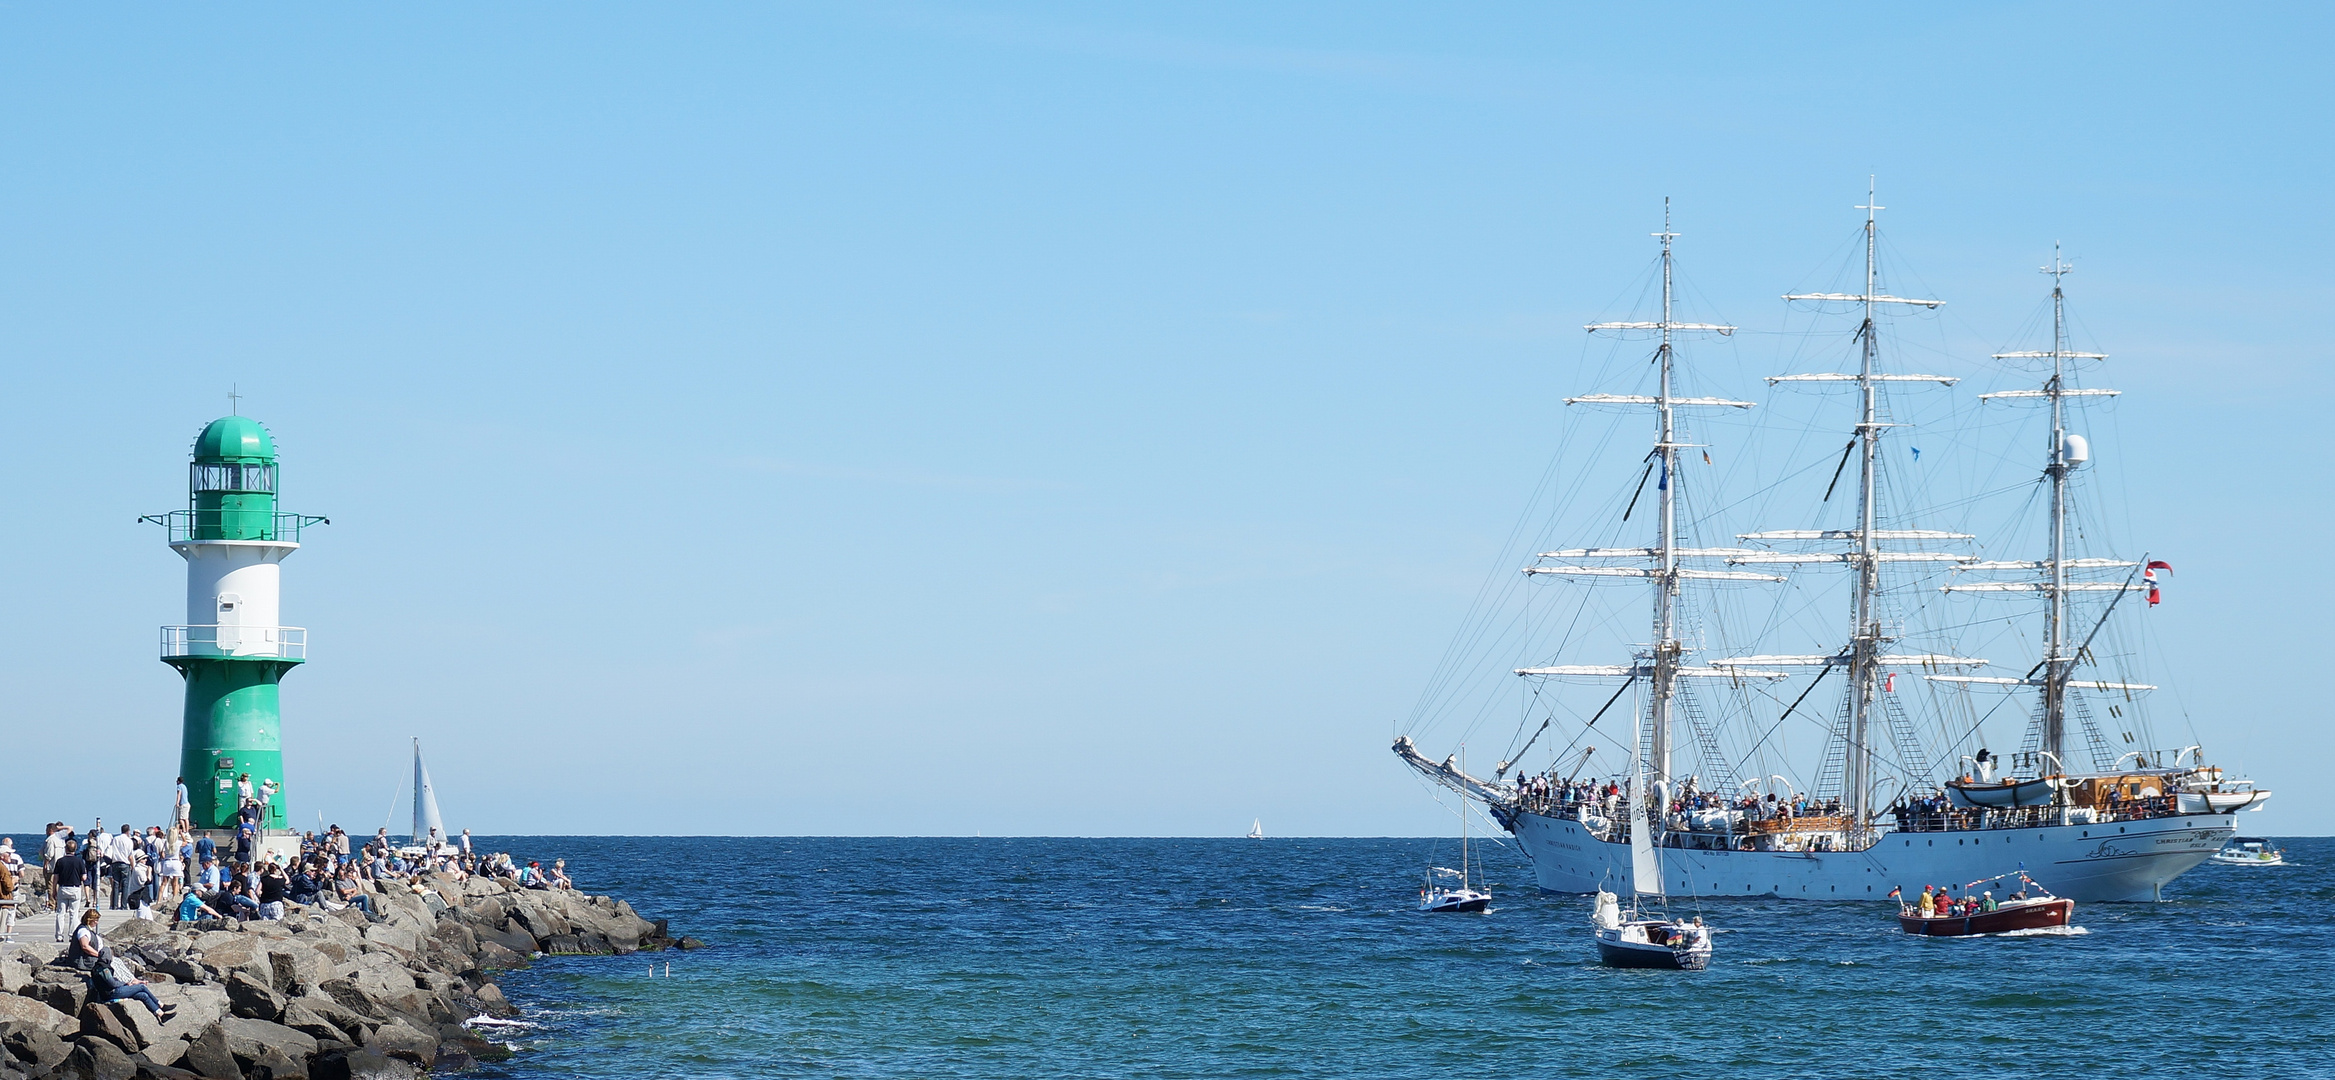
{"x": 398, "y": 1039}
{"x": 37, "y": 1045}
{"x": 274, "y": 1064}
{"x": 62, "y": 989}
{"x": 198, "y": 1007}
{"x": 331, "y": 1012}
{"x": 301, "y": 1018}
{"x": 208, "y": 1056}
{"x": 352, "y": 998}
{"x": 394, "y": 936}
{"x": 361, "y": 1064}
{"x": 15, "y": 974}
{"x": 297, "y": 967}
{"x": 225, "y": 954}
{"x": 97, "y": 1059}
{"x": 32, "y": 1013}
{"x": 100, "y": 1021}
{"x": 490, "y": 997}
{"x": 249, "y": 997}
{"x": 165, "y": 1052}
{"x": 160, "y": 1070}
{"x": 180, "y": 969}
{"x": 689, "y": 943}
{"x": 246, "y": 1037}
{"x": 512, "y": 936}
{"x": 494, "y": 957}
{"x": 132, "y": 931}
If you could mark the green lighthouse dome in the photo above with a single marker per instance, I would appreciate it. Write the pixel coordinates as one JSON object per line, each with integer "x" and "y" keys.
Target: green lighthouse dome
{"x": 235, "y": 438}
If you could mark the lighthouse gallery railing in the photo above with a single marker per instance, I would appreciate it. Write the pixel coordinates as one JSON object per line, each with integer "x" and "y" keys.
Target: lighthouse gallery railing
{"x": 241, "y": 642}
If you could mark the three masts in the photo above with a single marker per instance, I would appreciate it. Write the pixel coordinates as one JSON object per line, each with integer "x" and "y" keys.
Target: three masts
{"x": 2111, "y": 831}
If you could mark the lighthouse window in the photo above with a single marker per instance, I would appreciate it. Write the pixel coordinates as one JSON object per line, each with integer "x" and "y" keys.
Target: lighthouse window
{"x": 232, "y": 477}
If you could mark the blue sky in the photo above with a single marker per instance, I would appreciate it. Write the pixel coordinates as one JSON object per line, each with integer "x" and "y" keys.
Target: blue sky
{"x": 904, "y": 418}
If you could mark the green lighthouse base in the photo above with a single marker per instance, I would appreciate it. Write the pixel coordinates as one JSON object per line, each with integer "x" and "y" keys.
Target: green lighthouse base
{"x": 233, "y": 728}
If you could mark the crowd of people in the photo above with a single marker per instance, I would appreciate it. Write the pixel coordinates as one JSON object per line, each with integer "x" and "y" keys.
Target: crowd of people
{"x": 187, "y": 876}
{"x": 1689, "y": 809}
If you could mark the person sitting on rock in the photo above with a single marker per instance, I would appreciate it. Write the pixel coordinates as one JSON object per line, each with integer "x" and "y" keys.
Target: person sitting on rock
{"x": 87, "y": 944}
{"x": 302, "y": 886}
{"x": 191, "y": 907}
{"x": 559, "y": 875}
{"x": 532, "y": 877}
{"x": 271, "y": 891}
{"x": 240, "y": 903}
{"x": 352, "y": 891}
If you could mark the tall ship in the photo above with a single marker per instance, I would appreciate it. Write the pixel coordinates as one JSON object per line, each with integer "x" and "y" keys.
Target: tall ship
{"x": 1810, "y": 718}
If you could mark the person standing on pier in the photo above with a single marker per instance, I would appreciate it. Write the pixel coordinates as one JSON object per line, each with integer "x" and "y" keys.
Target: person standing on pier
{"x": 181, "y": 811}
{"x": 66, "y": 874}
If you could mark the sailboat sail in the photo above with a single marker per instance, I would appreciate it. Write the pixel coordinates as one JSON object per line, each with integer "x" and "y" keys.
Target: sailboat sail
{"x": 1645, "y": 873}
{"x": 427, "y": 825}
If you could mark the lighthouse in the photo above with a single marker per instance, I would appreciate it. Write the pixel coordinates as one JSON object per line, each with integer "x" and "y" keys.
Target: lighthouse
{"x": 233, "y": 649}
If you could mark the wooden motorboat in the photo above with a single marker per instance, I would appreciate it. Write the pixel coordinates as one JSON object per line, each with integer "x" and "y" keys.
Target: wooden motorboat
{"x": 2031, "y": 909}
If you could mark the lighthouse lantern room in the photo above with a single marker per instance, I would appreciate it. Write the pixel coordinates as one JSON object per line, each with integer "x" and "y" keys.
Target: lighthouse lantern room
{"x": 233, "y": 649}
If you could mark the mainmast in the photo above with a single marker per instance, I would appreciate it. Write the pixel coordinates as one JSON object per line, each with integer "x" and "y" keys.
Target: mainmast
{"x": 1868, "y": 637}
{"x": 1666, "y": 646}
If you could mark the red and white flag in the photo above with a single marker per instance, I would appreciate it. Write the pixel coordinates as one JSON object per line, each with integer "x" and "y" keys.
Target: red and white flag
{"x": 2148, "y": 575}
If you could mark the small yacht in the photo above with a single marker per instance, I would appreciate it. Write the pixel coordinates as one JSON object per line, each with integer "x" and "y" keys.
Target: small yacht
{"x": 1440, "y": 894}
{"x": 2250, "y": 851}
{"x": 1257, "y": 829}
{"x": 1638, "y": 938}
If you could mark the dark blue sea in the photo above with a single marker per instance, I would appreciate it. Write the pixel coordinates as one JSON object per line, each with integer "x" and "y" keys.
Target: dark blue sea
{"x": 1229, "y": 958}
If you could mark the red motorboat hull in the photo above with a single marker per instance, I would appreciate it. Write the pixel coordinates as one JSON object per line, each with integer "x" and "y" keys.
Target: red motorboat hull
{"x": 2037, "y": 916}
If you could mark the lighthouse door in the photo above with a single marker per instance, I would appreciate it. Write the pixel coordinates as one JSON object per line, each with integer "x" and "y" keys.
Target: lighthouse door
{"x": 230, "y": 624}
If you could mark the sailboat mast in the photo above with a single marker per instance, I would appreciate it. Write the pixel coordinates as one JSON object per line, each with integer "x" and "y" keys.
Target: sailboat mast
{"x": 1865, "y": 651}
{"x": 1666, "y": 644}
{"x": 2056, "y": 662}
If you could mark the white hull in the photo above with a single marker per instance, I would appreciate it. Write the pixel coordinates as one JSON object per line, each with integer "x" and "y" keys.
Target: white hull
{"x": 2126, "y": 860}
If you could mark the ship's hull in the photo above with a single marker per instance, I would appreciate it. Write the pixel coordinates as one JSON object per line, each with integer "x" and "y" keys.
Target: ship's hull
{"x": 2118, "y": 861}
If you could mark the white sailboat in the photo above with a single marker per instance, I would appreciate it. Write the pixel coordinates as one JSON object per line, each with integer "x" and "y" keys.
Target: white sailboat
{"x": 1448, "y": 890}
{"x": 1873, "y": 811}
{"x": 1634, "y": 938}
{"x": 429, "y": 830}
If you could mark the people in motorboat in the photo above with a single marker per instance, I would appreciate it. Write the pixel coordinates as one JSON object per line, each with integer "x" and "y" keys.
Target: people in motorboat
{"x": 1929, "y": 903}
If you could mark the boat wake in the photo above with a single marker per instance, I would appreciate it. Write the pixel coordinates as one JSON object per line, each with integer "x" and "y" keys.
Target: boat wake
{"x": 2042, "y": 931}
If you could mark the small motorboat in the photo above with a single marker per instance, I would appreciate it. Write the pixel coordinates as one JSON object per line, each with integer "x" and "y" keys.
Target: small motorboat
{"x": 2249, "y": 851}
{"x": 1631, "y": 940}
{"x": 2030, "y": 908}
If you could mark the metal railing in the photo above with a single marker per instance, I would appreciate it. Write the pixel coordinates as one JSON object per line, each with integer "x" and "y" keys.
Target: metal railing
{"x": 185, "y": 524}
{"x": 235, "y": 642}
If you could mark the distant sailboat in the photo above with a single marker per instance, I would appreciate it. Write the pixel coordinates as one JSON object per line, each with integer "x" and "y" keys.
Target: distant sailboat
{"x": 428, "y": 828}
{"x": 1257, "y": 829}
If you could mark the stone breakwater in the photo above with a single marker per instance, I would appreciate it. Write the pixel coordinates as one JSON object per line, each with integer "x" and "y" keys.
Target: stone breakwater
{"x": 317, "y": 996}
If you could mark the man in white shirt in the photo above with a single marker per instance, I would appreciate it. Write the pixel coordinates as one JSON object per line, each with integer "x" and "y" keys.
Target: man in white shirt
{"x": 54, "y": 848}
